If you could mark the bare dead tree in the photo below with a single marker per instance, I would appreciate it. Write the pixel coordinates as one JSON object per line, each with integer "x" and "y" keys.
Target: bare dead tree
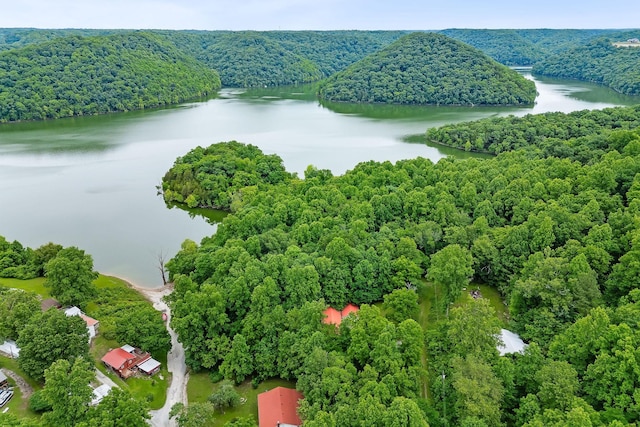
{"x": 161, "y": 266}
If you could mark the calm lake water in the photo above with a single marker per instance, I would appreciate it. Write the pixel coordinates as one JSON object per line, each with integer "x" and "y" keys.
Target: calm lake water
{"x": 91, "y": 182}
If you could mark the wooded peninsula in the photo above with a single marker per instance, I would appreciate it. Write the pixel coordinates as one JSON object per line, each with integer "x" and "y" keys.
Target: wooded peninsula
{"x": 382, "y": 295}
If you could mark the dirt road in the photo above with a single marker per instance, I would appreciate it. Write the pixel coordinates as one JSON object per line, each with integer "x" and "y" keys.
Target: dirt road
{"x": 177, "y": 391}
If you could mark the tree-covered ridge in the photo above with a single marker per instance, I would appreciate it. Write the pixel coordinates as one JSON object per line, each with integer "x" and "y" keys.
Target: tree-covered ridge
{"x": 525, "y": 46}
{"x": 250, "y": 60}
{"x": 215, "y": 177}
{"x": 505, "y": 46}
{"x": 428, "y": 68}
{"x": 12, "y": 38}
{"x": 557, "y": 237}
{"x": 580, "y": 135}
{"x": 599, "y": 62}
{"x": 75, "y": 76}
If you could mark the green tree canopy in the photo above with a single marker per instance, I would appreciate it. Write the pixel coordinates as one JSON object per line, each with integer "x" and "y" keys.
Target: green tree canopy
{"x": 70, "y": 277}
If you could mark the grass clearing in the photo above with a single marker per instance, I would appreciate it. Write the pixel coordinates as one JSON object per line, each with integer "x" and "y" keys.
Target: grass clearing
{"x": 200, "y": 388}
{"x": 31, "y": 285}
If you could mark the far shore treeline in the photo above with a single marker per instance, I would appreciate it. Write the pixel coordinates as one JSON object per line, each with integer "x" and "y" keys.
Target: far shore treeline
{"x": 48, "y": 74}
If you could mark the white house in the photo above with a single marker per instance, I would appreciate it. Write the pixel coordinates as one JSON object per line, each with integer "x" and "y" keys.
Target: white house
{"x": 92, "y": 324}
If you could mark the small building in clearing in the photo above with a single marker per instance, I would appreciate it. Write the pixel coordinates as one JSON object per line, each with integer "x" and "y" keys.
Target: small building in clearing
{"x": 127, "y": 360}
{"x": 3, "y": 379}
{"x": 100, "y": 393}
{"x": 334, "y": 317}
{"x": 278, "y": 407}
{"x": 120, "y": 361}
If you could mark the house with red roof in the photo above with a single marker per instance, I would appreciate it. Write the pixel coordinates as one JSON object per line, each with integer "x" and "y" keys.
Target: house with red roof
{"x": 120, "y": 361}
{"x": 334, "y": 317}
{"x": 279, "y": 408}
{"x": 127, "y": 360}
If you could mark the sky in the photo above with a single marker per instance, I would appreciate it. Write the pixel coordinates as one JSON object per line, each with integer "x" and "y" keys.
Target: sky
{"x": 319, "y": 14}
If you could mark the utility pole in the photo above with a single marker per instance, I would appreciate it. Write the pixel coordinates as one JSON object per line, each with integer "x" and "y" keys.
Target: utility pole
{"x": 444, "y": 400}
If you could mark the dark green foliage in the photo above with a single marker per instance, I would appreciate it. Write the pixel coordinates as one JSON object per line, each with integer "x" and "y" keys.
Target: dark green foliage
{"x": 508, "y": 47}
{"x": 214, "y": 177}
{"x": 38, "y": 403}
{"x": 70, "y": 277}
{"x": 75, "y": 76}
{"x": 550, "y": 233}
{"x": 141, "y": 326}
{"x": 48, "y": 337}
{"x": 17, "y": 307}
{"x": 580, "y": 135}
{"x": 428, "y": 68}
{"x": 525, "y": 47}
{"x": 600, "y": 62}
{"x": 250, "y": 60}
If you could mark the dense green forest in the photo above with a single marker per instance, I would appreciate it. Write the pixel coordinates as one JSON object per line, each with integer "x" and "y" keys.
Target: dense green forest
{"x": 250, "y": 60}
{"x": 74, "y": 76}
{"x": 599, "y": 62}
{"x": 556, "y": 236}
{"x": 525, "y": 46}
{"x": 577, "y": 135}
{"x": 268, "y": 58}
{"x": 265, "y": 58}
{"x": 217, "y": 176}
{"x": 428, "y": 68}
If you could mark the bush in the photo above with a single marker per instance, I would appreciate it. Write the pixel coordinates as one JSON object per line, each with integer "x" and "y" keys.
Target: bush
{"x": 38, "y": 404}
{"x": 225, "y": 397}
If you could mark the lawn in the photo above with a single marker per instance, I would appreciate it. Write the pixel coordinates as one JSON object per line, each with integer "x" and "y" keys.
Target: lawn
{"x": 17, "y": 405}
{"x": 152, "y": 389}
{"x": 200, "y": 388}
{"x": 33, "y": 285}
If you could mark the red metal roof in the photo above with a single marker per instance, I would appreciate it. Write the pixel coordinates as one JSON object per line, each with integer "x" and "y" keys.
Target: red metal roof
{"x": 350, "y": 308}
{"x": 117, "y": 357}
{"x": 332, "y": 316}
{"x": 279, "y": 405}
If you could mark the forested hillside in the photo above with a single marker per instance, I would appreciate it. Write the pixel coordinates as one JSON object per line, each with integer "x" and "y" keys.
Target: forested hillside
{"x": 599, "y": 62}
{"x": 524, "y": 47}
{"x": 75, "y": 76}
{"x": 577, "y": 135}
{"x": 505, "y": 46}
{"x": 250, "y": 60}
{"x": 556, "y": 236}
{"x": 428, "y": 68}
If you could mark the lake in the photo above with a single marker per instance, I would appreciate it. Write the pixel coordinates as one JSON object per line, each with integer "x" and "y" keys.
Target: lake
{"x": 91, "y": 182}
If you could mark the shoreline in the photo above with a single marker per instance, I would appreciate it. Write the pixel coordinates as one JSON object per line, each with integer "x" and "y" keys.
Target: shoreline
{"x": 153, "y": 295}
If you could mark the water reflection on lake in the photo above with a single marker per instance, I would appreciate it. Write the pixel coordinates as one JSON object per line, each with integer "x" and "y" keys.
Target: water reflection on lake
{"x": 91, "y": 181}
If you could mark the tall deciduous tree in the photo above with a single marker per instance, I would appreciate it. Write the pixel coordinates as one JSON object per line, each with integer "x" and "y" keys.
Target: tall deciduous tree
{"x": 16, "y": 309}
{"x": 51, "y": 336}
{"x": 70, "y": 276}
{"x": 68, "y": 391}
{"x": 118, "y": 409}
{"x": 451, "y": 268}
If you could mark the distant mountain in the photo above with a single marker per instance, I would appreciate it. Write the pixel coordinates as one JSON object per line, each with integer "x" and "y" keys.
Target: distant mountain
{"x": 429, "y": 68}
{"x": 74, "y": 76}
{"x": 601, "y": 61}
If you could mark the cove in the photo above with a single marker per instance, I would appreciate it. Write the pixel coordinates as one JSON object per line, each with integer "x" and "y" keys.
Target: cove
{"x": 91, "y": 181}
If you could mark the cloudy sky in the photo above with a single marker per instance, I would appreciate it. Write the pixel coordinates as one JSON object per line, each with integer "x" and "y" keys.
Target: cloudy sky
{"x": 319, "y": 14}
